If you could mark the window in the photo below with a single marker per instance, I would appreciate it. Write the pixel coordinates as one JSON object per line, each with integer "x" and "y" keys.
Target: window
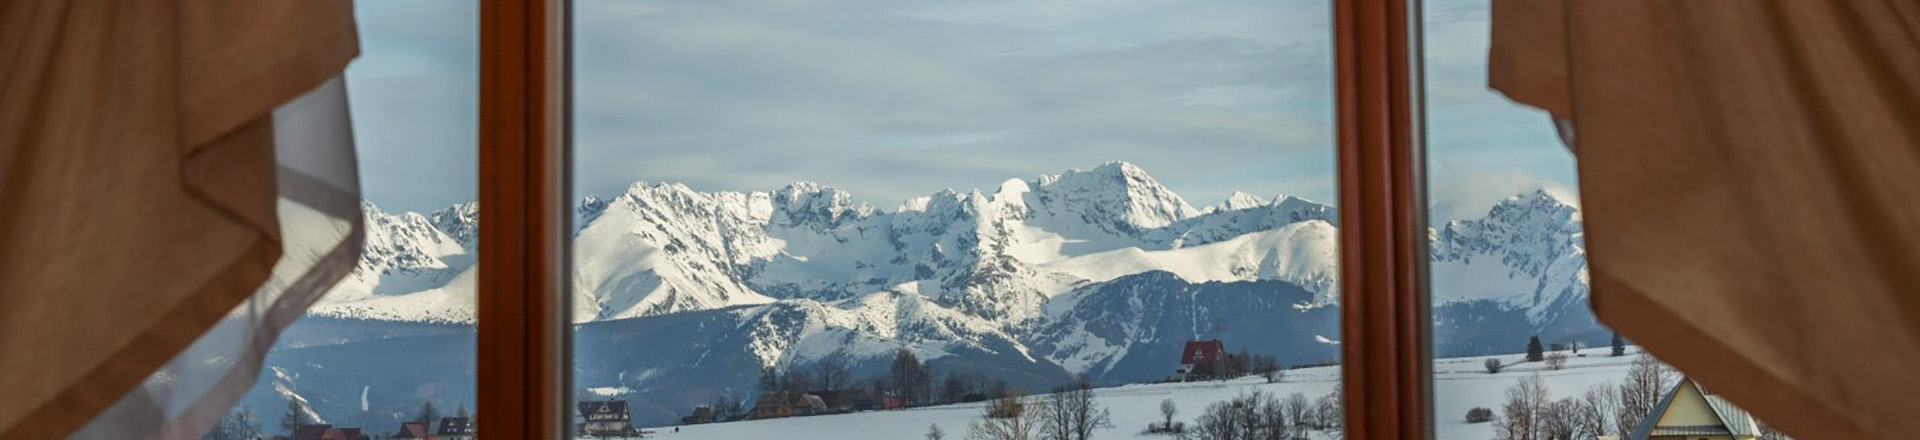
{"x": 393, "y": 344}
{"x": 878, "y": 219}
{"x": 1517, "y": 352}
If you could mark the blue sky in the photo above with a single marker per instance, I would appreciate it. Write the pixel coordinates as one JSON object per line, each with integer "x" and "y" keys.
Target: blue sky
{"x": 890, "y": 99}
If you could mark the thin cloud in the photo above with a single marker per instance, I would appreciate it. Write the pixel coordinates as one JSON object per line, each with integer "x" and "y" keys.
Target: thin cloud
{"x": 897, "y": 99}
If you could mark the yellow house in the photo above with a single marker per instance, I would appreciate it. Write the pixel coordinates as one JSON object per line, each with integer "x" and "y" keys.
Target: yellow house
{"x": 1689, "y": 413}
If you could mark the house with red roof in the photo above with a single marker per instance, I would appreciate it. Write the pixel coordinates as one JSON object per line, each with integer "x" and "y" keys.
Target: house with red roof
{"x": 1201, "y": 360}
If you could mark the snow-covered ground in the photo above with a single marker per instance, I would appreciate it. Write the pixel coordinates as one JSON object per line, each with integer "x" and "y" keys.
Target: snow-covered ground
{"x": 1461, "y": 383}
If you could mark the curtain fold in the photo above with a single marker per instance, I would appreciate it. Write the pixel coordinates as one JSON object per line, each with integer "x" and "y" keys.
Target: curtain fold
{"x": 1748, "y": 177}
{"x": 176, "y": 182}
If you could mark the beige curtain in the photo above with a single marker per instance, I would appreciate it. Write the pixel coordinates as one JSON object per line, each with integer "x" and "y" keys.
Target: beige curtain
{"x": 169, "y": 170}
{"x": 1750, "y": 181}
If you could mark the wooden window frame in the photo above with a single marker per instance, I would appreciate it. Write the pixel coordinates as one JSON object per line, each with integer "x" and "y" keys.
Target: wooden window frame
{"x": 525, "y": 177}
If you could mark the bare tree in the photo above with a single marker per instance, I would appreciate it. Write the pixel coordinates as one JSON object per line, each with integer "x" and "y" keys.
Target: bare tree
{"x": 1330, "y": 413}
{"x": 1557, "y": 421}
{"x": 1556, "y": 360}
{"x": 1597, "y": 406}
{"x": 798, "y": 380}
{"x": 1522, "y": 414}
{"x": 1006, "y": 418}
{"x": 831, "y": 373}
{"x": 236, "y": 425}
{"x": 1052, "y": 413}
{"x": 1167, "y": 411}
{"x": 1226, "y": 420}
{"x": 1250, "y": 416}
{"x": 1493, "y": 365}
{"x": 1084, "y": 413}
{"x": 727, "y": 406}
{"x": 1299, "y": 413}
{"x": 1647, "y": 382}
{"x": 909, "y": 378}
{"x": 934, "y": 432}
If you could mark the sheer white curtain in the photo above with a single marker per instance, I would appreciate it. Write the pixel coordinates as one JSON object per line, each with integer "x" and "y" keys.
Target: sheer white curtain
{"x": 321, "y": 236}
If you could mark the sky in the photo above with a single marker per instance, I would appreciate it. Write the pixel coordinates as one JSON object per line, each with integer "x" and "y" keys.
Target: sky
{"x": 894, "y": 99}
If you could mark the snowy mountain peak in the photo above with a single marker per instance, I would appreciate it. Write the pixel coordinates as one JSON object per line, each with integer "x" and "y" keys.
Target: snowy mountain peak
{"x": 816, "y": 205}
{"x": 1117, "y": 197}
{"x": 589, "y": 209}
{"x": 1526, "y": 252}
{"x": 1241, "y": 200}
{"x": 459, "y": 221}
{"x": 1539, "y": 210}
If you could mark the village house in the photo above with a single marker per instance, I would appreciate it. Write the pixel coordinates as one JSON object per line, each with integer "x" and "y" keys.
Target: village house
{"x": 891, "y": 402}
{"x": 413, "y": 430}
{"x": 784, "y": 404}
{"x": 839, "y": 401}
{"x": 1690, "y": 413}
{"x": 456, "y": 428}
{"x": 326, "y": 432}
{"x": 606, "y": 419}
{"x": 1200, "y": 360}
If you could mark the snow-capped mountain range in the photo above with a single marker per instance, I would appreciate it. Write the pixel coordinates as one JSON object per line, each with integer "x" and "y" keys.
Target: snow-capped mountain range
{"x": 664, "y": 248}
{"x": 1103, "y": 272}
{"x": 997, "y": 258}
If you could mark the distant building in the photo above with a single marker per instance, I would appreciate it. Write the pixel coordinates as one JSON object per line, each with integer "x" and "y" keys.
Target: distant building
{"x": 784, "y": 404}
{"x": 700, "y": 415}
{"x": 839, "y": 401}
{"x": 1690, "y": 413}
{"x": 1199, "y": 359}
{"x": 893, "y": 402}
{"x": 326, "y": 432}
{"x": 456, "y": 428}
{"x": 606, "y": 419}
{"x": 413, "y": 430}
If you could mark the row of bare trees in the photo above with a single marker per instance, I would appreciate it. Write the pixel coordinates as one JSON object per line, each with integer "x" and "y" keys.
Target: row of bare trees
{"x": 1068, "y": 413}
{"x": 906, "y": 377}
{"x": 1606, "y": 409}
{"x": 1263, "y": 416}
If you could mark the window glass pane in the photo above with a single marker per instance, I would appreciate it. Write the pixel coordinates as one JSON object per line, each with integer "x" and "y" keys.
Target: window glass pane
{"x": 870, "y": 219}
{"x": 394, "y": 342}
{"x": 1518, "y": 352}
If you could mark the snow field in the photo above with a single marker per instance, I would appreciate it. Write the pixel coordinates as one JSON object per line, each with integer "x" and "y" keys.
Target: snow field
{"x": 1460, "y": 384}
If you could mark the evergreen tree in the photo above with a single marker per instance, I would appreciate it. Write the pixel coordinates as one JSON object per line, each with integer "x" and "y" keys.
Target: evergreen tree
{"x": 428, "y": 414}
{"x": 1619, "y": 345}
{"x": 295, "y": 418}
{"x": 1534, "y": 352}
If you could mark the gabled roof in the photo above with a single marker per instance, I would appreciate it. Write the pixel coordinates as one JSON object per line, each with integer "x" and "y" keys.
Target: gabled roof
{"x": 311, "y": 432}
{"x": 1737, "y": 419}
{"x": 411, "y": 430}
{"x": 1210, "y": 349}
{"x": 1733, "y": 420}
{"x": 604, "y": 407}
{"x": 811, "y": 401}
{"x": 455, "y": 426}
